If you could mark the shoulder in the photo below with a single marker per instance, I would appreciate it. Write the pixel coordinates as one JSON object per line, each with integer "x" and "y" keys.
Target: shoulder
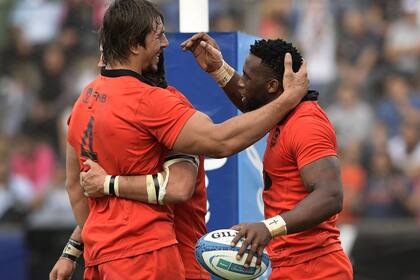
{"x": 306, "y": 115}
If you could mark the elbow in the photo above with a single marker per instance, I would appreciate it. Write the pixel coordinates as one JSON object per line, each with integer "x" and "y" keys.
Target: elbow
{"x": 181, "y": 192}
{"x": 179, "y": 197}
{"x": 222, "y": 148}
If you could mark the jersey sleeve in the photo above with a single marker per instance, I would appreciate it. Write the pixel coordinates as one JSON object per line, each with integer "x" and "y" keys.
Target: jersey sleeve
{"x": 164, "y": 114}
{"x": 312, "y": 138}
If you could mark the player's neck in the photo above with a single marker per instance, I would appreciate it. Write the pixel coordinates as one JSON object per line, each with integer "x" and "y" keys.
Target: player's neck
{"x": 130, "y": 64}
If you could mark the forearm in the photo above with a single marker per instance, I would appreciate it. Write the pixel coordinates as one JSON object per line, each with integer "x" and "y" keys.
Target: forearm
{"x": 176, "y": 183}
{"x": 232, "y": 91}
{"x": 242, "y": 131}
{"x": 77, "y": 234}
{"x": 180, "y": 186}
{"x": 78, "y": 203}
{"x": 317, "y": 207}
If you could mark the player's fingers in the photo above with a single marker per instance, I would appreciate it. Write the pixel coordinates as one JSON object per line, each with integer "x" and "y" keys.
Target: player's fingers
{"x": 189, "y": 42}
{"x": 91, "y": 164}
{"x": 238, "y": 236}
{"x": 242, "y": 250}
{"x": 251, "y": 253}
{"x": 53, "y": 275}
{"x": 82, "y": 177}
{"x": 260, "y": 252}
{"x": 303, "y": 67}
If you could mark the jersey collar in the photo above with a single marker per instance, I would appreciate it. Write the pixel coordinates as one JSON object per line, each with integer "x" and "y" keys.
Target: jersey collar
{"x": 113, "y": 73}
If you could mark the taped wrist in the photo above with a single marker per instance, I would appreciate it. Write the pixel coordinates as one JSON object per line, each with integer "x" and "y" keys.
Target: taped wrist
{"x": 111, "y": 185}
{"x": 276, "y": 226}
{"x": 72, "y": 250}
{"x": 223, "y": 75}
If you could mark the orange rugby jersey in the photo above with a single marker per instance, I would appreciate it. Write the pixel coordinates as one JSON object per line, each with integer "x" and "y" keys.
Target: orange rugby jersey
{"x": 190, "y": 222}
{"x": 127, "y": 126}
{"x": 304, "y": 136}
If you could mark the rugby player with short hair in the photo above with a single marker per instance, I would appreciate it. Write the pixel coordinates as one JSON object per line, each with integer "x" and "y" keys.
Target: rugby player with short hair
{"x": 302, "y": 183}
{"x": 128, "y": 125}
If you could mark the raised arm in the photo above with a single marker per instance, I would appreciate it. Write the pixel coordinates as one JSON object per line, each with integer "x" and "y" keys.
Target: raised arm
{"x": 181, "y": 179}
{"x": 201, "y": 136}
{"x": 208, "y": 56}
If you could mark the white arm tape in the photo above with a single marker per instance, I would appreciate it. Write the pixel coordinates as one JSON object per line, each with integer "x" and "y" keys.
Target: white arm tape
{"x": 151, "y": 192}
{"x": 156, "y": 184}
{"x": 106, "y": 184}
{"x": 169, "y": 161}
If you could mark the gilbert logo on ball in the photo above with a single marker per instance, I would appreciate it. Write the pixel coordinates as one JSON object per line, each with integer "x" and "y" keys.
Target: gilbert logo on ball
{"x": 214, "y": 252}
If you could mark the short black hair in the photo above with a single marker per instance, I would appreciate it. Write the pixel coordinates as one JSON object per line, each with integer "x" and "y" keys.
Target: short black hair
{"x": 272, "y": 53}
{"x": 125, "y": 24}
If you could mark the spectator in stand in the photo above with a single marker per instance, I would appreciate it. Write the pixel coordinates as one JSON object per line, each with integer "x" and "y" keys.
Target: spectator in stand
{"x": 352, "y": 118}
{"x": 399, "y": 103}
{"x": 354, "y": 179}
{"x": 387, "y": 191}
{"x": 34, "y": 160}
{"x": 275, "y": 19}
{"x": 48, "y": 105}
{"x": 357, "y": 50}
{"x": 404, "y": 148}
{"x": 402, "y": 45}
{"x": 316, "y": 27}
{"x": 15, "y": 191}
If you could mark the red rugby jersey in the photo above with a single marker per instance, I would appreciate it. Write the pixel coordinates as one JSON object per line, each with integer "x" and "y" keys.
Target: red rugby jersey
{"x": 304, "y": 136}
{"x": 127, "y": 126}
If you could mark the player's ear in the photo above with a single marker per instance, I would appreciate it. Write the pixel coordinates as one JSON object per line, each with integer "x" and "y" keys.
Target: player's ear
{"x": 272, "y": 86}
{"x": 136, "y": 49}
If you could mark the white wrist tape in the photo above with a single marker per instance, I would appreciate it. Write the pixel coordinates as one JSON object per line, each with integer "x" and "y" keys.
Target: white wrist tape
{"x": 116, "y": 186}
{"x": 223, "y": 75}
{"x": 106, "y": 184}
{"x": 276, "y": 226}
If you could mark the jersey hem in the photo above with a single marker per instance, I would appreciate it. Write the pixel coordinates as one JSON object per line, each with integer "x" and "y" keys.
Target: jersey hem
{"x": 129, "y": 253}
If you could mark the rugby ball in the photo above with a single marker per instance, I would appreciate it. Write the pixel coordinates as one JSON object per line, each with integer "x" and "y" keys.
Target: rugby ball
{"x": 215, "y": 254}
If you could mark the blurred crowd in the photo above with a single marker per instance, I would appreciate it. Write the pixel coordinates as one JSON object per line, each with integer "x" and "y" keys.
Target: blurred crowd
{"x": 363, "y": 56}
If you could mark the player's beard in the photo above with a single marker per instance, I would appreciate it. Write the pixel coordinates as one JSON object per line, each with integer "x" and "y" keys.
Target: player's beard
{"x": 158, "y": 77}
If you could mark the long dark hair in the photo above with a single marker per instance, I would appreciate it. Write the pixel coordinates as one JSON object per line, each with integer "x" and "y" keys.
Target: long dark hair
{"x": 126, "y": 23}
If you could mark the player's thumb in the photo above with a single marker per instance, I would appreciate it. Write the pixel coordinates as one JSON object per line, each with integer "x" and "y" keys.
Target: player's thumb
{"x": 89, "y": 163}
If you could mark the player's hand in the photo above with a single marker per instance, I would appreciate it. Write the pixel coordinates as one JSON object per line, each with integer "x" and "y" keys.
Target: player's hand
{"x": 205, "y": 50}
{"x": 295, "y": 84}
{"x": 256, "y": 236}
{"x": 63, "y": 269}
{"x": 93, "y": 180}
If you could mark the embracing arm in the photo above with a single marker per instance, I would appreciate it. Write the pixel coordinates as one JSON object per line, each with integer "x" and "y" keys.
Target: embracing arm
{"x": 77, "y": 200}
{"x": 180, "y": 186}
{"x": 201, "y": 136}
